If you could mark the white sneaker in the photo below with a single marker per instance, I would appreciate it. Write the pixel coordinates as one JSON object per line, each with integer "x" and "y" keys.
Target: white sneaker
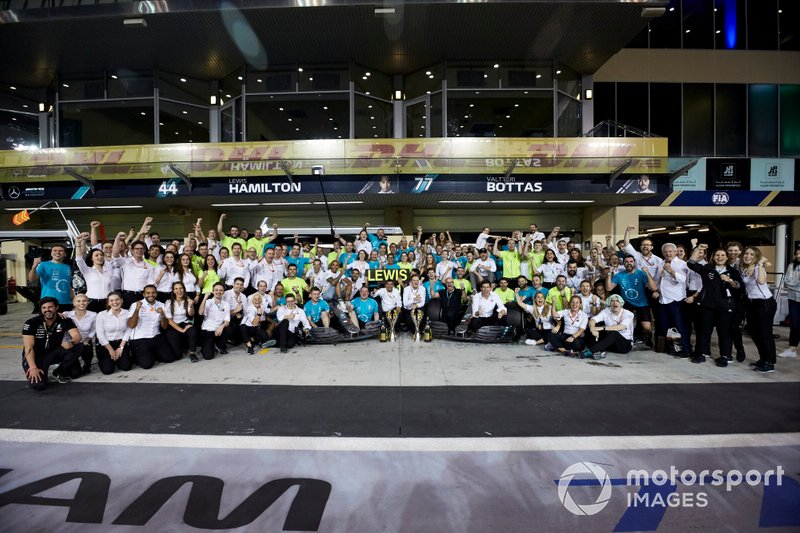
{"x": 788, "y": 352}
{"x": 530, "y": 342}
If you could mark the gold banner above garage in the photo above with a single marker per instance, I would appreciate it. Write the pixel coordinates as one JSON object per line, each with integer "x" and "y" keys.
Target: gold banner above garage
{"x": 353, "y": 156}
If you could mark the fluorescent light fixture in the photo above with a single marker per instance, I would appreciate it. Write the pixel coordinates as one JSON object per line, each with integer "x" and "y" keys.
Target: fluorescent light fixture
{"x": 588, "y": 94}
{"x": 63, "y": 208}
{"x": 701, "y": 230}
{"x": 657, "y": 229}
{"x": 681, "y": 232}
{"x": 463, "y": 202}
{"x": 398, "y": 95}
{"x": 384, "y": 11}
{"x": 516, "y": 201}
{"x": 286, "y": 203}
{"x": 691, "y": 225}
{"x": 119, "y": 207}
{"x": 213, "y": 100}
{"x": 339, "y": 203}
{"x": 41, "y": 107}
{"x": 234, "y": 205}
{"x": 569, "y": 201}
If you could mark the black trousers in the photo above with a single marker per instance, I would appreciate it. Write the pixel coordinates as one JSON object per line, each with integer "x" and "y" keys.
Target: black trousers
{"x": 130, "y": 298}
{"x": 559, "y": 340}
{"x": 108, "y": 365}
{"x": 69, "y": 361}
{"x": 452, "y": 320}
{"x": 536, "y": 334}
{"x": 286, "y": 339}
{"x": 707, "y": 319}
{"x": 162, "y": 297}
{"x": 208, "y": 341}
{"x": 233, "y": 331}
{"x": 609, "y": 341}
{"x": 145, "y": 352}
{"x": 87, "y": 352}
{"x": 96, "y": 305}
{"x": 760, "y": 314}
{"x": 737, "y": 324}
{"x": 180, "y": 341}
{"x": 250, "y": 333}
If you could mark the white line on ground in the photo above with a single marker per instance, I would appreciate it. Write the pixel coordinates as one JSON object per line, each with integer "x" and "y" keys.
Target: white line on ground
{"x": 400, "y": 444}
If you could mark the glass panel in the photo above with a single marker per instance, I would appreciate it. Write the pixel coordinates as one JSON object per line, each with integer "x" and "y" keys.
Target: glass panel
{"x": 731, "y": 120}
{"x": 698, "y": 119}
{"x": 285, "y": 117}
{"x": 762, "y": 120}
{"x": 180, "y": 123}
{"x": 127, "y": 84}
{"x": 632, "y": 105}
{"x": 641, "y": 40}
{"x": 569, "y": 117}
{"x": 762, "y": 25}
{"x": 228, "y": 124}
{"x": 729, "y": 24}
{"x": 666, "y": 30}
{"x": 106, "y": 123}
{"x": 604, "y": 99}
{"x": 538, "y": 75}
{"x": 423, "y": 81}
{"x": 86, "y": 88}
{"x": 500, "y": 114}
{"x": 18, "y": 131}
{"x": 665, "y": 114}
{"x": 436, "y": 110}
{"x": 272, "y": 82}
{"x": 415, "y": 119}
{"x": 698, "y": 23}
{"x": 789, "y": 31}
{"x": 323, "y": 79}
{"x": 373, "y": 118}
{"x": 790, "y": 120}
{"x": 184, "y": 89}
{"x": 231, "y": 85}
{"x": 368, "y": 81}
{"x": 569, "y": 81}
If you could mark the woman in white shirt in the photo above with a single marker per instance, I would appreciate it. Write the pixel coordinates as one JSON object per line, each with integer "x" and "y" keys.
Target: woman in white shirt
{"x": 252, "y": 327}
{"x": 761, "y": 307}
{"x": 567, "y": 336}
{"x": 359, "y": 264}
{"x": 85, "y": 322}
{"x": 616, "y": 333}
{"x": 165, "y": 277}
{"x": 99, "y": 276}
{"x": 541, "y": 318}
{"x": 185, "y": 274}
{"x": 112, "y": 337}
{"x": 550, "y": 269}
{"x": 180, "y": 333}
{"x": 792, "y": 283}
{"x": 216, "y": 318}
{"x": 591, "y": 302}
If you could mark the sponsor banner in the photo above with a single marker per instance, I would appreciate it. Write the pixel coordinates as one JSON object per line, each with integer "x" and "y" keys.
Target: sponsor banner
{"x": 694, "y": 180}
{"x": 334, "y": 185}
{"x": 101, "y": 487}
{"x": 351, "y": 156}
{"x": 722, "y": 199}
{"x": 772, "y": 174}
{"x": 728, "y": 174}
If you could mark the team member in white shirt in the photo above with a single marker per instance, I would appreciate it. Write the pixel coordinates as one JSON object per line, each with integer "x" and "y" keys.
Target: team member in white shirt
{"x": 216, "y": 318}
{"x": 136, "y": 272}
{"x": 252, "y": 325}
{"x": 645, "y": 260}
{"x": 487, "y": 308}
{"x": 290, "y": 318}
{"x": 112, "y": 337}
{"x": 540, "y": 315}
{"x": 446, "y": 267}
{"x": 567, "y": 336}
{"x": 234, "y": 267}
{"x": 99, "y": 276}
{"x": 238, "y": 304}
{"x": 267, "y": 270}
{"x": 414, "y": 298}
{"x": 671, "y": 293}
{"x": 146, "y": 319}
{"x": 390, "y": 297}
{"x": 616, "y": 333}
{"x": 85, "y": 322}
{"x": 483, "y": 268}
{"x": 180, "y": 332}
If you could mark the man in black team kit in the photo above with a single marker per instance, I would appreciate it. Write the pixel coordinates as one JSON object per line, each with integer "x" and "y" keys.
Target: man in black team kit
{"x": 49, "y": 339}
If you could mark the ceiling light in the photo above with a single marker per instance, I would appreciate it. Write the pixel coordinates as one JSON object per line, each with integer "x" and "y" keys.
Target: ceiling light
{"x": 325, "y": 107}
{"x": 691, "y": 225}
{"x": 185, "y": 112}
{"x": 462, "y": 201}
{"x": 213, "y": 100}
{"x": 497, "y": 65}
{"x": 25, "y": 106}
{"x": 140, "y": 22}
{"x": 183, "y": 80}
{"x": 678, "y": 232}
{"x": 200, "y": 122}
{"x": 558, "y": 72}
{"x": 240, "y": 78}
{"x": 299, "y": 69}
{"x": 228, "y": 96}
{"x": 290, "y": 120}
{"x": 656, "y": 229}
{"x": 233, "y": 205}
{"x": 516, "y": 201}
{"x": 427, "y": 72}
{"x": 485, "y": 76}
{"x": 12, "y": 88}
{"x": 286, "y": 203}
{"x": 118, "y": 207}
{"x": 297, "y": 129}
{"x": 367, "y": 74}
{"x": 280, "y": 109}
{"x": 363, "y": 77}
{"x": 339, "y": 203}
{"x": 369, "y": 106}
{"x": 143, "y": 113}
{"x": 687, "y": 31}
{"x": 508, "y": 116}
{"x": 701, "y": 230}
{"x": 718, "y": 31}
{"x": 672, "y": 9}
{"x": 330, "y": 119}
{"x": 538, "y": 76}
{"x": 259, "y": 80}
{"x": 472, "y": 105}
{"x": 113, "y": 76}
{"x": 431, "y": 76}
{"x": 160, "y": 123}
{"x": 65, "y": 85}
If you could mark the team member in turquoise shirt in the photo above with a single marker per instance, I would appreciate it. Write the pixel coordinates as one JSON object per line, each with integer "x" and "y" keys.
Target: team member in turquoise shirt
{"x": 364, "y": 307}
{"x": 55, "y": 277}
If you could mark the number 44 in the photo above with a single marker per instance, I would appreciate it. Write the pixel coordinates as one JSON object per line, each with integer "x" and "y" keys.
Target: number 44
{"x": 168, "y": 187}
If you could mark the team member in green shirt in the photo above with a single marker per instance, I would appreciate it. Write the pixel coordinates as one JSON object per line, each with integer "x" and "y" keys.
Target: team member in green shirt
{"x": 294, "y": 285}
{"x": 226, "y": 241}
{"x": 506, "y": 295}
{"x": 511, "y": 261}
{"x": 558, "y": 296}
{"x": 259, "y": 240}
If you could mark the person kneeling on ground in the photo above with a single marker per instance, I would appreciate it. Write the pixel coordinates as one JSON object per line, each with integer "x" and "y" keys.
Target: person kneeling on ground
{"x": 255, "y": 316}
{"x": 572, "y": 325}
{"x": 616, "y": 333}
{"x": 484, "y": 305}
{"x": 289, "y": 318}
{"x": 541, "y": 316}
{"x": 49, "y": 339}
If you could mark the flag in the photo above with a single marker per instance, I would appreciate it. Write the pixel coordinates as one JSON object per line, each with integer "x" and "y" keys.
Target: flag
{"x": 21, "y": 217}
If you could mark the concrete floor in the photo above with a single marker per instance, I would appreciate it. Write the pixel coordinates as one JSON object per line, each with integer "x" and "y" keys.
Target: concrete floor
{"x": 405, "y": 363}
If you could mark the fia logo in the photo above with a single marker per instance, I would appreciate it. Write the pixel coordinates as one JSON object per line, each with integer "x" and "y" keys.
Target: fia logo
{"x": 773, "y": 171}
{"x": 720, "y": 198}
{"x": 729, "y": 171}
